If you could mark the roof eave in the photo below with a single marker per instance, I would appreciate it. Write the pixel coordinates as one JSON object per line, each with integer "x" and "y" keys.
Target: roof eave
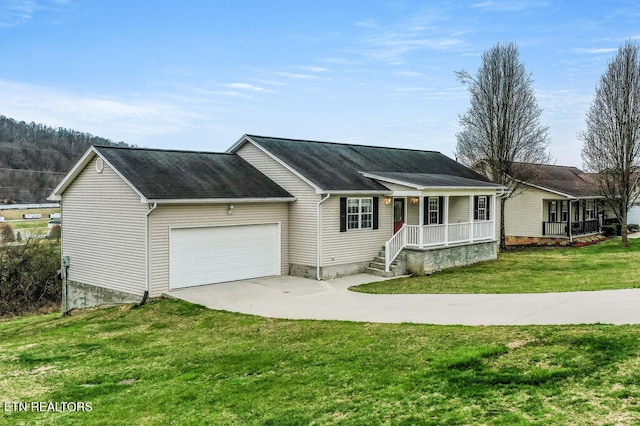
{"x": 489, "y": 185}
{"x": 222, "y": 200}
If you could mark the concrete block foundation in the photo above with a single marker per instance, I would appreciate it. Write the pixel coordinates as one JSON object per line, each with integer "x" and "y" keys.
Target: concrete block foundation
{"x": 424, "y": 262}
{"x": 80, "y": 296}
{"x": 328, "y": 272}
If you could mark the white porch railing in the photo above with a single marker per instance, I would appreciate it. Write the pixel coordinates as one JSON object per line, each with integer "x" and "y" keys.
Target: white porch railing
{"x": 431, "y": 236}
{"x": 394, "y": 246}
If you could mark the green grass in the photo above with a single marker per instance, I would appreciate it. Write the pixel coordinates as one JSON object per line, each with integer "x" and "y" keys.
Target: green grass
{"x": 171, "y": 362}
{"x": 602, "y": 266}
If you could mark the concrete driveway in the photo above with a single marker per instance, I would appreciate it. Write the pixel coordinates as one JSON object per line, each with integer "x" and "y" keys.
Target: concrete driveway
{"x": 301, "y": 298}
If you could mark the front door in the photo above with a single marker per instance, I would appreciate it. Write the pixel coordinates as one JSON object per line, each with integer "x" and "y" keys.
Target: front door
{"x": 398, "y": 214}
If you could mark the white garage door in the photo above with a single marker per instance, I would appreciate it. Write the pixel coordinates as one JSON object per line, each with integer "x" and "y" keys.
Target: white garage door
{"x": 224, "y": 253}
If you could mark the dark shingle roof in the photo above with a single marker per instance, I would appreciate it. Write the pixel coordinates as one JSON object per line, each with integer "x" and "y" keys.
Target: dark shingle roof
{"x": 336, "y": 167}
{"x": 566, "y": 180}
{"x": 187, "y": 175}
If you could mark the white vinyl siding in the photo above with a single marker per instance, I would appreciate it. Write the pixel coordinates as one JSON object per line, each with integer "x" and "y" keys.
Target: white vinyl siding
{"x": 103, "y": 231}
{"x": 186, "y": 216}
{"x": 354, "y": 245}
{"x": 302, "y": 212}
{"x": 459, "y": 209}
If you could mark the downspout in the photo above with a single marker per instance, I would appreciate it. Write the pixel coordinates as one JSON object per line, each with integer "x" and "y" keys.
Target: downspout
{"x": 318, "y": 235}
{"x": 152, "y": 207}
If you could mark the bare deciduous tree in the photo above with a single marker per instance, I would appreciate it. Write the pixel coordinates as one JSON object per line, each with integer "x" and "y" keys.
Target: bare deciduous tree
{"x": 611, "y": 143}
{"x": 502, "y": 131}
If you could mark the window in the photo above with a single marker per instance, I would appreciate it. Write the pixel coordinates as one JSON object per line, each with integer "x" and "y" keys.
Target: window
{"x": 553, "y": 211}
{"x": 359, "y": 213}
{"x": 482, "y": 208}
{"x": 590, "y": 210}
{"x": 564, "y": 211}
{"x": 434, "y": 210}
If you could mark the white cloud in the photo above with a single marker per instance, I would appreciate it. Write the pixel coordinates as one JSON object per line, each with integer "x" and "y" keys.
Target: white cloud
{"x": 596, "y": 51}
{"x": 16, "y": 12}
{"x": 129, "y": 120}
{"x": 508, "y": 5}
{"x": 296, "y": 76}
{"x": 247, "y": 87}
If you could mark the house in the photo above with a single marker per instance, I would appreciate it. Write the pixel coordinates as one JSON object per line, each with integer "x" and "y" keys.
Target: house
{"x": 143, "y": 222}
{"x": 555, "y": 202}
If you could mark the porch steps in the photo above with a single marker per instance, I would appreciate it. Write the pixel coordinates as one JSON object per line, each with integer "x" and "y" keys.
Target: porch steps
{"x": 396, "y": 269}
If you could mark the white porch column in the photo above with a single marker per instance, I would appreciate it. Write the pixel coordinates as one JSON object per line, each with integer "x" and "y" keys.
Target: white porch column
{"x": 421, "y": 222}
{"x": 471, "y": 218}
{"x": 445, "y": 219}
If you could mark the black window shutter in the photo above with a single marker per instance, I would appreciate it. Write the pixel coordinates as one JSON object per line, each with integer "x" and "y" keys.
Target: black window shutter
{"x": 440, "y": 210}
{"x": 425, "y": 212}
{"x": 488, "y": 207}
{"x": 375, "y": 212}
{"x": 475, "y": 207}
{"x": 343, "y": 214}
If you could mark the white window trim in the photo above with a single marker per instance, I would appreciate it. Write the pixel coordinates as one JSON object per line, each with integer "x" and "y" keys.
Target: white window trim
{"x": 436, "y": 211}
{"x": 482, "y": 211}
{"x": 359, "y": 214}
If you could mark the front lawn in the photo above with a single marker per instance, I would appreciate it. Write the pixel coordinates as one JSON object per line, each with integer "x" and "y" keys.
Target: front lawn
{"x": 602, "y": 266}
{"x": 171, "y": 362}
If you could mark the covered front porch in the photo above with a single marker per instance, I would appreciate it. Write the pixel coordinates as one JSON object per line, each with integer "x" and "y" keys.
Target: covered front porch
{"x": 430, "y": 221}
{"x": 572, "y": 218}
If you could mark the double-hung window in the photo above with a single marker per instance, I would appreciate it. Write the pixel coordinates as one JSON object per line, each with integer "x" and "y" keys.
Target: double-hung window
{"x": 360, "y": 213}
{"x": 483, "y": 212}
{"x": 434, "y": 210}
{"x": 553, "y": 211}
{"x": 564, "y": 211}
{"x": 590, "y": 210}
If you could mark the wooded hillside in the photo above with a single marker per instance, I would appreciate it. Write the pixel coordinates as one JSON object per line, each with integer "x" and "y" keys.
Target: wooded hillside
{"x": 34, "y": 158}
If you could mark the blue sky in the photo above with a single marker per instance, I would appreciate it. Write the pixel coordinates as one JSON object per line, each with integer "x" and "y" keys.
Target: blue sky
{"x": 200, "y": 74}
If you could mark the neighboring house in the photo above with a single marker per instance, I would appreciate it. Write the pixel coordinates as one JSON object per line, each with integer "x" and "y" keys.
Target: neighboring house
{"x": 559, "y": 202}
{"x": 141, "y": 222}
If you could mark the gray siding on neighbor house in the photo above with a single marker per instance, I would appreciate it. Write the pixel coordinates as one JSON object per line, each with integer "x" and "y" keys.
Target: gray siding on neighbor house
{"x": 103, "y": 231}
{"x": 166, "y": 217}
{"x": 352, "y": 246}
{"x": 302, "y": 212}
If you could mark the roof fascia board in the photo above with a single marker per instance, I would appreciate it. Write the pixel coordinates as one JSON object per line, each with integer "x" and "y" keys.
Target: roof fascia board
{"x": 553, "y": 191}
{"x": 222, "y": 200}
{"x": 357, "y": 191}
{"x": 56, "y": 195}
{"x": 389, "y": 180}
{"x": 428, "y": 188}
{"x": 248, "y": 139}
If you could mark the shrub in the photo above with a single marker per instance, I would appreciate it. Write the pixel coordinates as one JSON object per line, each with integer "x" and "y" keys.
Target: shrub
{"x": 633, "y": 227}
{"x": 609, "y": 230}
{"x": 28, "y": 277}
{"x": 6, "y": 233}
{"x": 55, "y": 232}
